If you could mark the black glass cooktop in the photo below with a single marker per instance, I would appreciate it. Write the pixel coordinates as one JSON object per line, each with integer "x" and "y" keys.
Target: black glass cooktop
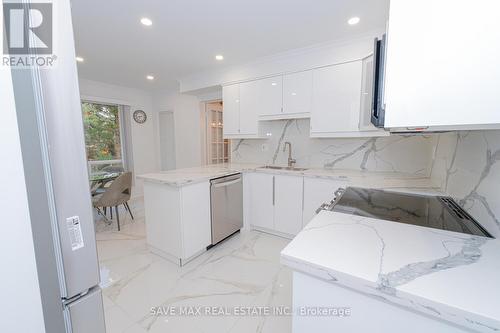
{"x": 422, "y": 210}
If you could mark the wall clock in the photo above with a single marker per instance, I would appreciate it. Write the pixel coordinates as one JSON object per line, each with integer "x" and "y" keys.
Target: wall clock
{"x": 140, "y": 116}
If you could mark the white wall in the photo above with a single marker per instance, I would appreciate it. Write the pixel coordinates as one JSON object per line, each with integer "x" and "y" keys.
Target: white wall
{"x": 291, "y": 61}
{"x": 20, "y": 303}
{"x": 187, "y": 119}
{"x": 143, "y": 136}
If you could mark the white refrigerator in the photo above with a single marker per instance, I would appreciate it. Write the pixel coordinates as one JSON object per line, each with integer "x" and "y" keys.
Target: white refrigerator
{"x": 53, "y": 150}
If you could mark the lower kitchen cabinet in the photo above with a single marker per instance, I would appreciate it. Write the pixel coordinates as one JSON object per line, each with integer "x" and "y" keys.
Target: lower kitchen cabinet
{"x": 259, "y": 204}
{"x": 284, "y": 204}
{"x": 288, "y": 204}
{"x": 178, "y": 220}
{"x": 316, "y": 192}
{"x": 274, "y": 202}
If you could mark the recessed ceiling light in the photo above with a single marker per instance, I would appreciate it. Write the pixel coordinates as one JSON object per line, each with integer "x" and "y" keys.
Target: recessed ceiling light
{"x": 146, "y": 21}
{"x": 79, "y": 59}
{"x": 219, "y": 57}
{"x": 353, "y": 20}
{"x": 150, "y": 77}
{"x": 274, "y": 83}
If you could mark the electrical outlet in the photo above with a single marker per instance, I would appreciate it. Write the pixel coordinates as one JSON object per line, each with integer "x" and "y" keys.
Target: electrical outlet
{"x": 265, "y": 147}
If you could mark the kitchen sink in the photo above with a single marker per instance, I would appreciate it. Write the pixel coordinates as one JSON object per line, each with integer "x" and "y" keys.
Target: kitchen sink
{"x": 275, "y": 167}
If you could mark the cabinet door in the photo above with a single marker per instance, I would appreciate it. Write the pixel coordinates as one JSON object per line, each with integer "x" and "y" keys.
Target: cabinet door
{"x": 297, "y": 90}
{"x": 443, "y": 72}
{"x": 231, "y": 109}
{"x": 249, "y": 102}
{"x": 260, "y": 200}
{"x": 316, "y": 192}
{"x": 288, "y": 204}
{"x": 271, "y": 96}
{"x": 196, "y": 222}
{"x": 336, "y": 98}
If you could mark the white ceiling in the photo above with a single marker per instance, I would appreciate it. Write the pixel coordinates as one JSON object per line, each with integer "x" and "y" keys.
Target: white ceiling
{"x": 187, "y": 34}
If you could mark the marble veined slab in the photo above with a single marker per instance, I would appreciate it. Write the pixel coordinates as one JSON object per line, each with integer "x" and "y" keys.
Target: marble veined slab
{"x": 448, "y": 275}
{"x": 387, "y": 180}
{"x": 186, "y": 176}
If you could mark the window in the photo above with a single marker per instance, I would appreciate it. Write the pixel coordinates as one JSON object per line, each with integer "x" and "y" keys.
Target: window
{"x": 103, "y": 136}
{"x": 217, "y": 146}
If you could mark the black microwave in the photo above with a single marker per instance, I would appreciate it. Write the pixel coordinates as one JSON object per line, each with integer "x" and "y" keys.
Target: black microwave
{"x": 378, "y": 105}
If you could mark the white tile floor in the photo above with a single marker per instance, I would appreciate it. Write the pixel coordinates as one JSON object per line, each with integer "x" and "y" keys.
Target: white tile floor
{"x": 242, "y": 271}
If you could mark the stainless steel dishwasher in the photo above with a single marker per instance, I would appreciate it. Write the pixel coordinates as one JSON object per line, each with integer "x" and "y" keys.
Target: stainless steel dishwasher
{"x": 226, "y": 200}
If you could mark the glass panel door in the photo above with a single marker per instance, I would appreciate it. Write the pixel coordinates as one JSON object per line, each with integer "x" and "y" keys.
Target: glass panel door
{"x": 217, "y": 146}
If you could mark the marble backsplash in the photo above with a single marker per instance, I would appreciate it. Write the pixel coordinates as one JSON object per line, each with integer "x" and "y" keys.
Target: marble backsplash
{"x": 466, "y": 166}
{"x": 401, "y": 153}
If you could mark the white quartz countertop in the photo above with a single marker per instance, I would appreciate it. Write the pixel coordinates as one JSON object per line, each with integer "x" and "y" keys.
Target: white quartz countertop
{"x": 444, "y": 274}
{"x": 387, "y": 180}
{"x": 186, "y": 176}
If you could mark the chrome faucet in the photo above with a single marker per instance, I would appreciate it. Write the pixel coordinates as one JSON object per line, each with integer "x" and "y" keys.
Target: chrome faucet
{"x": 291, "y": 161}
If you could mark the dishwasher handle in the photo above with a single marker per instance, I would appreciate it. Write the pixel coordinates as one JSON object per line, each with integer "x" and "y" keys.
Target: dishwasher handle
{"x": 217, "y": 185}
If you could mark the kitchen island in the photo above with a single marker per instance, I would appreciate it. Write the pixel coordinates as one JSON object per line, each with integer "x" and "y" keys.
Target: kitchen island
{"x": 393, "y": 277}
{"x": 177, "y": 207}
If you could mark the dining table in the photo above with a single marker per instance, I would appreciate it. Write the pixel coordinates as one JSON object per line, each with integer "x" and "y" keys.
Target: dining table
{"x": 98, "y": 180}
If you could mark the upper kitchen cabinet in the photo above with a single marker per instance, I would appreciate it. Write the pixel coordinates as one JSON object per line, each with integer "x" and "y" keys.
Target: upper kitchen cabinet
{"x": 249, "y": 106}
{"x": 285, "y": 96}
{"x": 231, "y": 113}
{"x": 297, "y": 94}
{"x": 341, "y": 101}
{"x": 240, "y": 110}
{"x": 271, "y": 97}
{"x": 442, "y": 65}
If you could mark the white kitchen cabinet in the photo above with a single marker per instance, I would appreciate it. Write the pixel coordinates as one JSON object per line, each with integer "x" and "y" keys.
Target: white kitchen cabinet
{"x": 316, "y": 192}
{"x": 260, "y": 205}
{"x": 231, "y": 109}
{"x": 297, "y": 93}
{"x": 249, "y": 106}
{"x": 442, "y": 64}
{"x": 273, "y": 203}
{"x": 285, "y": 96}
{"x": 270, "y": 96}
{"x": 288, "y": 191}
{"x": 178, "y": 220}
{"x": 341, "y": 102}
{"x": 240, "y": 110}
{"x": 196, "y": 219}
{"x": 336, "y": 98}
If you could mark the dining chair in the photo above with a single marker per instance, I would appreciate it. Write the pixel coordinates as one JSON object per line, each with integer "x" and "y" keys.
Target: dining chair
{"x": 118, "y": 193}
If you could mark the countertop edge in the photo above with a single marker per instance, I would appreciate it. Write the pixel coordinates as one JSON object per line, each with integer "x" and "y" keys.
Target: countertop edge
{"x": 173, "y": 183}
{"x": 453, "y": 315}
